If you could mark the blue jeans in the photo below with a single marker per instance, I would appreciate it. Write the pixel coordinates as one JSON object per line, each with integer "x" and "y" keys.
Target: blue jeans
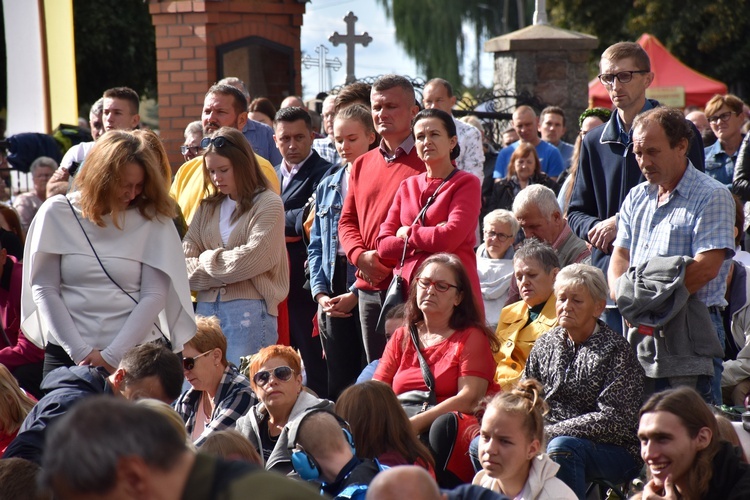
{"x": 612, "y": 317}
{"x": 246, "y": 324}
{"x": 582, "y": 461}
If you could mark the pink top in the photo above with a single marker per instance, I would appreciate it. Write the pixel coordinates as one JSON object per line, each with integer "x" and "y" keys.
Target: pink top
{"x": 466, "y": 353}
{"x": 450, "y": 224}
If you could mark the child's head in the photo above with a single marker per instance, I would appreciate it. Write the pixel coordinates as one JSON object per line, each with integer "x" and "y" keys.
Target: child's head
{"x": 512, "y": 431}
{"x": 524, "y": 162}
{"x": 353, "y": 132}
{"x": 394, "y": 319}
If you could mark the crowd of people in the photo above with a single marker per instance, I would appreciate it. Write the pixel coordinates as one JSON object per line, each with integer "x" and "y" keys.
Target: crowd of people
{"x": 386, "y": 307}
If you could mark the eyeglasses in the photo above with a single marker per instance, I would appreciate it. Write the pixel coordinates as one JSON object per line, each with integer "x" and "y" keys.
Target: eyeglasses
{"x": 499, "y": 236}
{"x": 624, "y": 76}
{"x": 218, "y": 142}
{"x": 281, "y": 373}
{"x": 440, "y": 286}
{"x": 724, "y": 117}
{"x": 194, "y": 150}
{"x": 189, "y": 363}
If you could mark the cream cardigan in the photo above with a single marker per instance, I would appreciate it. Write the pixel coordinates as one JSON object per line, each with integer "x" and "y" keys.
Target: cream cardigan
{"x": 254, "y": 263}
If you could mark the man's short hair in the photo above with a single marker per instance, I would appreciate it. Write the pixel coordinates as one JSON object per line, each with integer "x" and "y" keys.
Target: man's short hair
{"x": 97, "y": 108}
{"x": 387, "y": 82}
{"x": 195, "y": 127}
{"x": 502, "y": 216}
{"x": 628, "y": 50}
{"x": 153, "y": 359}
{"x": 293, "y": 114}
{"x": 84, "y": 447}
{"x": 555, "y": 110}
{"x": 239, "y": 104}
{"x": 539, "y": 251}
{"x": 237, "y": 83}
{"x": 716, "y": 102}
{"x": 539, "y": 196}
{"x": 441, "y": 81}
{"x": 671, "y": 120}
{"x": 320, "y": 434}
{"x": 126, "y": 94}
{"x": 523, "y": 109}
{"x": 18, "y": 479}
{"x": 357, "y": 92}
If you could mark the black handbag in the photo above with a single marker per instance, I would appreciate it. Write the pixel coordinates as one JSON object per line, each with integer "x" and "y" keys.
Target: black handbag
{"x": 416, "y": 402}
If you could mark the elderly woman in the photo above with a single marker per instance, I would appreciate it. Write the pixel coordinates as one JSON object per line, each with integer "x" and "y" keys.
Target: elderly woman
{"x": 100, "y": 266}
{"x": 457, "y": 347}
{"x": 593, "y": 385}
{"x": 28, "y": 203}
{"x": 276, "y": 376}
{"x": 535, "y": 265}
{"x": 219, "y": 394}
{"x": 495, "y": 261}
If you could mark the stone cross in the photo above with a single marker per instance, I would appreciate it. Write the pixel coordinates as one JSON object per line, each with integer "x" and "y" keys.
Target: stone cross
{"x": 322, "y": 62}
{"x": 350, "y": 40}
{"x": 540, "y": 12}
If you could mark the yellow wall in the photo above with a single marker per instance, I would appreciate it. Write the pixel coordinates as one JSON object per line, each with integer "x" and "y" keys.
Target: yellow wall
{"x": 61, "y": 62}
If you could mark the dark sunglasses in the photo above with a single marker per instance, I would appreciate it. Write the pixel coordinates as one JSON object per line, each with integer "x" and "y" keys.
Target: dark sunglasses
{"x": 281, "y": 373}
{"x": 189, "y": 363}
{"x": 218, "y": 142}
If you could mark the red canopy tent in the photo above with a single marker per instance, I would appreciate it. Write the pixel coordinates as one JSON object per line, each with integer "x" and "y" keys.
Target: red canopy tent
{"x": 674, "y": 83}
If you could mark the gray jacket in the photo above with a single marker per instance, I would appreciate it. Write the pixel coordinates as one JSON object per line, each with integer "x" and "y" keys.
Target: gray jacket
{"x": 280, "y": 458}
{"x": 684, "y": 340}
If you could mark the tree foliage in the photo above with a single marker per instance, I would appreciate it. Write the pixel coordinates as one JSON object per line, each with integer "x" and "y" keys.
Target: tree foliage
{"x": 115, "y": 46}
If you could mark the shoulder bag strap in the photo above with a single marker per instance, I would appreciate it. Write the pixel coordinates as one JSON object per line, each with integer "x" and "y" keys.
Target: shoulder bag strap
{"x": 429, "y": 380}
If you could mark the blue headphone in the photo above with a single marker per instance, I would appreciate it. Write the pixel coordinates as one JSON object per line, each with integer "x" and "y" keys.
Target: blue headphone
{"x": 304, "y": 464}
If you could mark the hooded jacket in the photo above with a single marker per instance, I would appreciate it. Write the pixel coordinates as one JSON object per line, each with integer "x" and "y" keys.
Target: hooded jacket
{"x": 684, "y": 340}
{"x": 64, "y": 388}
{"x": 542, "y": 481}
{"x": 737, "y": 368}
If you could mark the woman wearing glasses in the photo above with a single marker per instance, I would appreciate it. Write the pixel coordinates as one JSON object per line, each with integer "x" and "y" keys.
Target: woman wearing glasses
{"x": 457, "y": 348}
{"x": 276, "y": 376}
{"x": 495, "y": 261}
{"x": 234, "y": 248}
{"x": 219, "y": 394}
{"x": 452, "y": 197}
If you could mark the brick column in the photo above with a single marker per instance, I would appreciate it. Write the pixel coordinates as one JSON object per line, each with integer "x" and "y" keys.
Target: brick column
{"x": 187, "y": 36}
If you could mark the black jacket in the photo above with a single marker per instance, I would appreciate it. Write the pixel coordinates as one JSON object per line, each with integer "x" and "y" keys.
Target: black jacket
{"x": 731, "y": 478}
{"x": 741, "y": 183}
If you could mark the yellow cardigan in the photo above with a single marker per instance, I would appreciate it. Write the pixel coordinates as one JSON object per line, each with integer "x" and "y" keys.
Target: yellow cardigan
{"x": 516, "y": 340}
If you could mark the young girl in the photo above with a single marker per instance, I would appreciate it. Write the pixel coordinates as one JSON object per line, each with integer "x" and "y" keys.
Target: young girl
{"x": 330, "y": 273}
{"x": 524, "y": 168}
{"x": 510, "y": 441}
{"x": 235, "y": 251}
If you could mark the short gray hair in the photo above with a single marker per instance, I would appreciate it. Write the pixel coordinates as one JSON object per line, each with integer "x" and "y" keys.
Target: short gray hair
{"x": 539, "y": 196}
{"x": 533, "y": 249}
{"x": 43, "y": 161}
{"x": 503, "y": 217}
{"x": 590, "y": 277}
{"x": 195, "y": 127}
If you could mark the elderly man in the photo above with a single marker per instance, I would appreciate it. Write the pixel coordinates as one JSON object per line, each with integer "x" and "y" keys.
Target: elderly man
{"x": 526, "y": 124}
{"x": 374, "y": 180}
{"x": 325, "y": 146}
{"x": 678, "y": 212}
{"x": 552, "y": 127}
{"x": 223, "y": 106}
{"x": 607, "y": 169}
{"x": 438, "y": 93}
{"x": 725, "y": 115}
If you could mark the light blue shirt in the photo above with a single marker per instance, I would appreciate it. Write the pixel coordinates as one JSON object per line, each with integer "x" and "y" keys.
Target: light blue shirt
{"x": 720, "y": 165}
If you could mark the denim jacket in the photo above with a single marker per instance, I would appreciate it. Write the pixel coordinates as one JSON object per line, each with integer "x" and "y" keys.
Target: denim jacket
{"x": 324, "y": 235}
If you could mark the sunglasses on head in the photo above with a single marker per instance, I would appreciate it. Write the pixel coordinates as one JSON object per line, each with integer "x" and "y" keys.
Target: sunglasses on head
{"x": 218, "y": 142}
{"x": 282, "y": 373}
{"x": 189, "y": 363}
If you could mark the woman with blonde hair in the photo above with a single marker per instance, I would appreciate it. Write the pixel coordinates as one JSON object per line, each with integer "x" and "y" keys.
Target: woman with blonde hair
{"x": 229, "y": 444}
{"x": 15, "y": 404}
{"x": 99, "y": 270}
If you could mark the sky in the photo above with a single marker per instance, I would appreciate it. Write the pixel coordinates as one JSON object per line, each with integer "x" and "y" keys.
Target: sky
{"x": 383, "y": 55}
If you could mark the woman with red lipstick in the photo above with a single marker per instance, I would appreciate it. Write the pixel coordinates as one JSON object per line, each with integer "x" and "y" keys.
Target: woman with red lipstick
{"x": 234, "y": 248}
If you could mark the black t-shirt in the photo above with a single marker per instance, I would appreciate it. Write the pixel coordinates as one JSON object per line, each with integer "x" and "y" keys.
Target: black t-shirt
{"x": 267, "y": 441}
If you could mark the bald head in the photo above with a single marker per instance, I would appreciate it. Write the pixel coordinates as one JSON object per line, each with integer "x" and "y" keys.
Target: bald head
{"x": 526, "y": 124}
{"x": 699, "y": 120}
{"x": 406, "y": 481}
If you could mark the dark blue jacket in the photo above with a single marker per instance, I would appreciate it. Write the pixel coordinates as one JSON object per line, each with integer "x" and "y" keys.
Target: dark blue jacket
{"x": 607, "y": 171}
{"x": 64, "y": 388}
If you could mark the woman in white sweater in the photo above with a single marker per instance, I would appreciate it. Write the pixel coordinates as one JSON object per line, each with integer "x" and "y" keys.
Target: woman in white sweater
{"x": 234, "y": 248}
{"x": 509, "y": 444}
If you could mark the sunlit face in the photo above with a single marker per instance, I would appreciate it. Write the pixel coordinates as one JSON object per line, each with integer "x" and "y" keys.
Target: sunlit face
{"x": 661, "y": 164}
{"x": 351, "y": 138}
{"x": 436, "y": 96}
{"x": 329, "y": 113}
{"x": 118, "y": 114}
{"x": 221, "y": 172}
{"x": 535, "y": 225}
{"x": 626, "y": 95}
{"x": 433, "y": 143}
{"x": 728, "y": 129}
{"x": 41, "y": 177}
{"x": 534, "y": 283}
{"x": 206, "y": 373}
{"x": 131, "y": 184}
{"x": 392, "y": 112}
{"x": 526, "y": 124}
{"x": 498, "y": 244}
{"x": 430, "y": 300}
{"x": 277, "y": 393}
{"x": 218, "y": 111}
{"x": 667, "y": 448}
{"x": 577, "y": 311}
{"x": 505, "y": 448}
{"x": 294, "y": 140}
{"x": 193, "y": 145}
{"x": 552, "y": 128}
{"x": 525, "y": 167}
{"x": 96, "y": 125}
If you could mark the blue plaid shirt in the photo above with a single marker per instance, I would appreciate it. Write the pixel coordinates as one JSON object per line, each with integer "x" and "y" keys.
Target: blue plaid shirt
{"x": 327, "y": 150}
{"x": 697, "y": 217}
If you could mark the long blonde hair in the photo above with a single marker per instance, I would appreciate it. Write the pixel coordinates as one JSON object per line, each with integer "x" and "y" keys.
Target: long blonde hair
{"x": 14, "y": 403}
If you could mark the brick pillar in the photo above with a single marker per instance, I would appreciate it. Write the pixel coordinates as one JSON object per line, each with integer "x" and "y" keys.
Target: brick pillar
{"x": 188, "y": 34}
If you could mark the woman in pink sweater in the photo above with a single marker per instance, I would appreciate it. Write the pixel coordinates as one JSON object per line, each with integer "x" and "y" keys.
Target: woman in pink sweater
{"x": 453, "y": 197}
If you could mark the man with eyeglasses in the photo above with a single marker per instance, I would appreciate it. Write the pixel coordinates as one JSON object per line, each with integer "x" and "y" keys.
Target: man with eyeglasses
{"x": 724, "y": 113}
{"x": 191, "y": 148}
{"x": 607, "y": 169}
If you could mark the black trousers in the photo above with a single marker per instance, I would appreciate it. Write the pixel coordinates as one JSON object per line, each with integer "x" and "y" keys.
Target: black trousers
{"x": 55, "y": 357}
